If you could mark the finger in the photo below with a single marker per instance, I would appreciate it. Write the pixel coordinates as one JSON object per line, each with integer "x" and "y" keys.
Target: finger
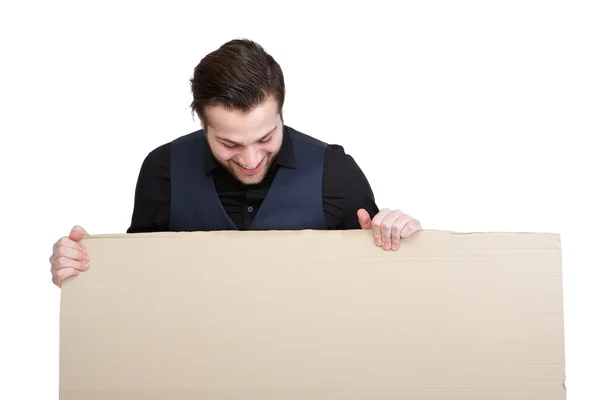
{"x": 410, "y": 228}
{"x": 59, "y": 276}
{"x": 364, "y": 219}
{"x": 77, "y": 233}
{"x": 387, "y": 226}
{"x": 68, "y": 242}
{"x": 69, "y": 252}
{"x": 64, "y": 262}
{"x": 376, "y": 225}
{"x": 398, "y": 227}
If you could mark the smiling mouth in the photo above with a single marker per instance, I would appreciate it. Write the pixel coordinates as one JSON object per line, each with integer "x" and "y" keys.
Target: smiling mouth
{"x": 249, "y": 170}
{"x": 245, "y": 166}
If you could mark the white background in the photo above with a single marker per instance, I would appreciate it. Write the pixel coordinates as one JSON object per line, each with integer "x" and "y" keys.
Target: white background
{"x": 471, "y": 116}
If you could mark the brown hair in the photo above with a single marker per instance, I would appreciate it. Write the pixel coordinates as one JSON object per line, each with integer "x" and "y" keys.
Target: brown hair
{"x": 239, "y": 75}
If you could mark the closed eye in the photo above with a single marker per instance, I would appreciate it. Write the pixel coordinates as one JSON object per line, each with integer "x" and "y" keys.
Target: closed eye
{"x": 267, "y": 140}
{"x": 235, "y": 146}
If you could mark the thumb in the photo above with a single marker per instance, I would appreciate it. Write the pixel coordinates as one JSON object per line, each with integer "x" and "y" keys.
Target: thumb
{"x": 364, "y": 219}
{"x": 77, "y": 233}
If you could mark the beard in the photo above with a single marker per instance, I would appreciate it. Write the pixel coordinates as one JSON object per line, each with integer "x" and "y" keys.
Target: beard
{"x": 255, "y": 179}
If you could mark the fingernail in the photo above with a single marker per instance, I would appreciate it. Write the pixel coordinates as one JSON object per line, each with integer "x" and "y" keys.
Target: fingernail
{"x": 87, "y": 257}
{"x": 378, "y": 241}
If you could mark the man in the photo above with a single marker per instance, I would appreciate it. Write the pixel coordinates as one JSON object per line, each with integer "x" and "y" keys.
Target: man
{"x": 245, "y": 169}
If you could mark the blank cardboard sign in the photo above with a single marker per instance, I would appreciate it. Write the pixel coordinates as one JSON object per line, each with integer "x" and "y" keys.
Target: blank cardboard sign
{"x": 316, "y": 315}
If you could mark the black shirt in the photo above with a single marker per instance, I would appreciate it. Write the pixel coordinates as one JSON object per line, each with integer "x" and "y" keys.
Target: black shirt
{"x": 345, "y": 189}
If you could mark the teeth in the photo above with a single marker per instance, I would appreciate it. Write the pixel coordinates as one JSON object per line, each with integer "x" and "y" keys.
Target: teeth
{"x": 245, "y": 166}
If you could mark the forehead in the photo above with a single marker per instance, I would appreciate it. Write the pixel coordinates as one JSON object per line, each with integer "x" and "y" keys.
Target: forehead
{"x": 242, "y": 126}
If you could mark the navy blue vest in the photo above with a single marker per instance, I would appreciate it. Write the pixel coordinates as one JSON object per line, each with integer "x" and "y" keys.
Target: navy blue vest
{"x": 294, "y": 201}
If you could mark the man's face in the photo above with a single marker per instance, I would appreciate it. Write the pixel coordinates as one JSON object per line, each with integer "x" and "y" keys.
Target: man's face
{"x": 245, "y": 144}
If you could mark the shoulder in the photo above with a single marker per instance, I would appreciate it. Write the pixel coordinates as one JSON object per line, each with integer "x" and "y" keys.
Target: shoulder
{"x": 190, "y": 137}
{"x": 158, "y": 159}
{"x": 159, "y": 153}
{"x": 301, "y": 137}
{"x": 340, "y": 165}
{"x": 332, "y": 149}
{"x": 336, "y": 153}
{"x": 161, "y": 156}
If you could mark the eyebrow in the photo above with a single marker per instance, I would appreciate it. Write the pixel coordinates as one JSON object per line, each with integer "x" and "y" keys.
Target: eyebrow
{"x": 240, "y": 144}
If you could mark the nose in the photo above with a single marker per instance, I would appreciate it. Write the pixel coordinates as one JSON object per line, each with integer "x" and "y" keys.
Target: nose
{"x": 251, "y": 157}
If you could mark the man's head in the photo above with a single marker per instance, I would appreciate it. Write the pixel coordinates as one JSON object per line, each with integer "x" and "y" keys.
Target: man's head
{"x": 238, "y": 95}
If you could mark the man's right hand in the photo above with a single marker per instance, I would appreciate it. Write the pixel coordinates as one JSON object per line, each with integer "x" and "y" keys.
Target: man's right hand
{"x": 69, "y": 257}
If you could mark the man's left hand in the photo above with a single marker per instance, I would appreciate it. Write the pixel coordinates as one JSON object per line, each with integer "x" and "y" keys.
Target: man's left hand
{"x": 389, "y": 226}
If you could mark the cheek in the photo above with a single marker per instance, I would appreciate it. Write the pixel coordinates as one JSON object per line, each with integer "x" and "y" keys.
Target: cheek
{"x": 224, "y": 154}
{"x": 272, "y": 146}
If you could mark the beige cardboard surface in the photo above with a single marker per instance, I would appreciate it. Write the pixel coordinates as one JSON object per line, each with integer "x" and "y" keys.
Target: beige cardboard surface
{"x": 314, "y": 315}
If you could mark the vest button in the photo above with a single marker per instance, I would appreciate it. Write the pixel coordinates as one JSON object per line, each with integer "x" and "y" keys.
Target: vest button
{"x": 250, "y": 209}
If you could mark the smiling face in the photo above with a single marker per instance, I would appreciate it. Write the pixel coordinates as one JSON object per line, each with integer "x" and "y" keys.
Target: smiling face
{"x": 245, "y": 143}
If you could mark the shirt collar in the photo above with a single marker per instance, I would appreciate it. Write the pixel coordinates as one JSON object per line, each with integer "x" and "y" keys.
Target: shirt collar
{"x": 286, "y": 157}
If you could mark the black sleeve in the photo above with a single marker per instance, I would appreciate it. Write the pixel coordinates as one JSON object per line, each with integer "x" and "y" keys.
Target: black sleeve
{"x": 152, "y": 205}
{"x": 345, "y": 190}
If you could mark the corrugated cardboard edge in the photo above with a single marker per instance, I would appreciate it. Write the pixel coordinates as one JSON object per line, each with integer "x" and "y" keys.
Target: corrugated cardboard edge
{"x": 554, "y": 238}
